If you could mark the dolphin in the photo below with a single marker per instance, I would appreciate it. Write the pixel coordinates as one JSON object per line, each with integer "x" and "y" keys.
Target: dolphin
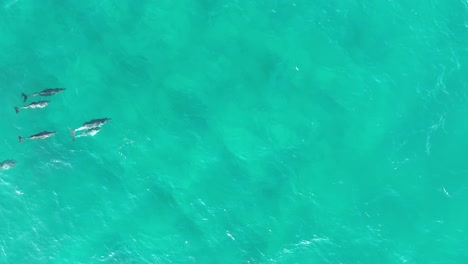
{"x": 7, "y": 164}
{"x": 41, "y": 135}
{"x": 46, "y": 92}
{"x": 39, "y": 104}
{"x": 90, "y": 132}
{"x": 93, "y": 124}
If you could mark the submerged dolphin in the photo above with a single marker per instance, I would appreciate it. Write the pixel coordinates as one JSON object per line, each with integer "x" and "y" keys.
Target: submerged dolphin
{"x": 46, "y": 92}
{"x": 7, "y": 164}
{"x": 93, "y": 124}
{"x": 41, "y": 135}
{"x": 90, "y": 132}
{"x": 39, "y": 104}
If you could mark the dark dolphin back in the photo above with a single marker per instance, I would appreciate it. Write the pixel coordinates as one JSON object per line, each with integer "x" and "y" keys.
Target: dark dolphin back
{"x": 45, "y": 133}
{"x": 97, "y": 121}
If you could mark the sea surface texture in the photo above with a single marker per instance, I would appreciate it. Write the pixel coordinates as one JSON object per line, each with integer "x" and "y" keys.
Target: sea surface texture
{"x": 242, "y": 131}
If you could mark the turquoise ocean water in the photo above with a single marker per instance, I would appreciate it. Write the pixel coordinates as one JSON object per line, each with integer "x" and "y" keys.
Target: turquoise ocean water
{"x": 280, "y": 131}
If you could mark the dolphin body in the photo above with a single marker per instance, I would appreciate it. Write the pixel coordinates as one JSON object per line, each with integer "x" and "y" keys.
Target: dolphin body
{"x": 93, "y": 124}
{"x": 90, "y": 132}
{"x": 39, "y": 104}
{"x": 46, "y": 92}
{"x": 7, "y": 164}
{"x": 42, "y": 135}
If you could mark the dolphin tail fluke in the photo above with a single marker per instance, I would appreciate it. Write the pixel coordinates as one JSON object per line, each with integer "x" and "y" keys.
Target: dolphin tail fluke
{"x": 24, "y": 96}
{"x": 16, "y": 109}
{"x": 20, "y": 139}
{"x": 72, "y": 132}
